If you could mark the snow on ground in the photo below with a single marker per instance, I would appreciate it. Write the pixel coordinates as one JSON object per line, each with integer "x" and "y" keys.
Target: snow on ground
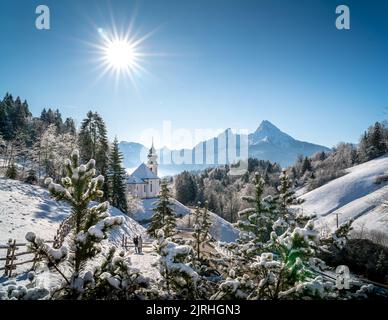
{"x": 146, "y": 262}
{"x": 222, "y": 230}
{"x": 354, "y": 195}
{"x": 143, "y": 216}
{"x": 25, "y": 208}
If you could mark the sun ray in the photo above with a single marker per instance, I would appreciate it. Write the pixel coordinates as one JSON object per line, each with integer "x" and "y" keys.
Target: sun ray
{"x": 120, "y": 54}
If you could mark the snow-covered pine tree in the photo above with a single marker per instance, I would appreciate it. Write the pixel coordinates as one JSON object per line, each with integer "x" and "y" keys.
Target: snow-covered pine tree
{"x": 202, "y": 224}
{"x": 93, "y": 143}
{"x": 164, "y": 216}
{"x": 287, "y": 218}
{"x": 175, "y": 263}
{"x": 89, "y": 225}
{"x": 12, "y": 172}
{"x": 283, "y": 267}
{"x": 339, "y": 237}
{"x": 31, "y": 177}
{"x": 115, "y": 279}
{"x": 117, "y": 179}
{"x": 255, "y": 222}
{"x": 377, "y": 140}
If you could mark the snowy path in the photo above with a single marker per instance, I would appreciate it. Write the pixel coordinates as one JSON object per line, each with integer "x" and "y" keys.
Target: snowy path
{"x": 145, "y": 262}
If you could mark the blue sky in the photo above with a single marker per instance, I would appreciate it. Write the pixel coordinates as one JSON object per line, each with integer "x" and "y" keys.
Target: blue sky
{"x": 214, "y": 64}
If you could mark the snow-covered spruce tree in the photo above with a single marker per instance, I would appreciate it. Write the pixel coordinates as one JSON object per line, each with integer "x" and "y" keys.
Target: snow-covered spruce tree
{"x": 31, "y": 177}
{"x": 287, "y": 218}
{"x": 164, "y": 216}
{"x": 89, "y": 225}
{"x": 255, "y": 222}
{"x": 94, "y": 144}
{"x": 115, "y": 279}
{"x": 202, "y": 224}
{"x": 12, "y": 172}
{"x": 281, "y": 271}
{"x": 117, "y": 179}
{"x": 283, "y": 267}
{"x": 338, "y": 238}
{"x": 180, "y": 280}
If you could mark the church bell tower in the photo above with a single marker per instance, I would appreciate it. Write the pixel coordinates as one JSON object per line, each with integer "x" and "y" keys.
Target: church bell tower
{"x": 152, "y": 156}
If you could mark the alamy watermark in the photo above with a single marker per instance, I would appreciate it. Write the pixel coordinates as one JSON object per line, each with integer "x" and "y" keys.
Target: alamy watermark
{"x": 42, "y": 21}
{"x": 343, "y": 20}
{"x": 226, "y": 147}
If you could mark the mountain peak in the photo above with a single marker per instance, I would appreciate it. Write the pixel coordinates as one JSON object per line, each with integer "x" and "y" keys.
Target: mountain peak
{"x": 268, "y": 132}
{"x": 267, "y": 126}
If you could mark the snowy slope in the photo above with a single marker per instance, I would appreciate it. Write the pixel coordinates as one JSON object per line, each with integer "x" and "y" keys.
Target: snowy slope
{"x": 145, "y": 215}
{"x": 24, "y": 208}
{"x": 222, "y": 230}
{"x": 354, "y": 195}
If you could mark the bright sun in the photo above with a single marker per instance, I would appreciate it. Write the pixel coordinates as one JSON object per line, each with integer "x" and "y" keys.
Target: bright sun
{"x": 120, "y": 55}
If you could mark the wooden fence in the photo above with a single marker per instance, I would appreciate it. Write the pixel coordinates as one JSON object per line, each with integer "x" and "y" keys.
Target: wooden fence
{"x": 222, "y": 250}
{"x": 127, "y": 243}
{"x": 12, "y": 256}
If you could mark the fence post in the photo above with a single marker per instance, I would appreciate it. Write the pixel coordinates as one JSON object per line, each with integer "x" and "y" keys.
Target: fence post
{"x": 36, "y": 259}
{"x": 12, "y": 256}
{"x": 7, "y": 255}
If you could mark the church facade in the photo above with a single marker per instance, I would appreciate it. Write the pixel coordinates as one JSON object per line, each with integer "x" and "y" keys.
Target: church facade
{"x": 144, "y": 181}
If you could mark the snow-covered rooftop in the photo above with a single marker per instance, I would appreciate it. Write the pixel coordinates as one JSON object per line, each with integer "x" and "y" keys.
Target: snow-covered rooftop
{"x": 141, "y": 173}
{"x": 134, "y": 180}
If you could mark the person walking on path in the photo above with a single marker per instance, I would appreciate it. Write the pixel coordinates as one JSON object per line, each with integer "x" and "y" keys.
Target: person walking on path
{"x": 140, "y": 249}
{"x": 136, "y": 243}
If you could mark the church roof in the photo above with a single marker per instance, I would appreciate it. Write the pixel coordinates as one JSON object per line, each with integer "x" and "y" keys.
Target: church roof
{"x": 141, "y": 173}
{"x": 134, "y": 180}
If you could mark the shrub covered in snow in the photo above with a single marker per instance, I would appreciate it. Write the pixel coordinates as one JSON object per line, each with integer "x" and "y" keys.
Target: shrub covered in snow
{"x": 115, "y": 279}
{"x": 89, "y": 226}
{"x": 176, "y": 267}
{"x": 11, "y": 290}
{"x": 283, "y": 265}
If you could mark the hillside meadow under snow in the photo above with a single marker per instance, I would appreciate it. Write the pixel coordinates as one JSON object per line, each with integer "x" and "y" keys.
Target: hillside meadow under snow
{"x": 355, "y": 195}
{"x": 221, "y": 229}
{"x": 25, "y": 208}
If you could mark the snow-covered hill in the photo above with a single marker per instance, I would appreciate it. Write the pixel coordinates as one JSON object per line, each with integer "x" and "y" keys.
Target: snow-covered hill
{"x": 25, "y": 208}
{"x": 355, "y": 195}
{"x": 222, "y": 230}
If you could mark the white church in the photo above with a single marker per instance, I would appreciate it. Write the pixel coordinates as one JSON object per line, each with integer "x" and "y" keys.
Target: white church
{"x": 144, "y": 181}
